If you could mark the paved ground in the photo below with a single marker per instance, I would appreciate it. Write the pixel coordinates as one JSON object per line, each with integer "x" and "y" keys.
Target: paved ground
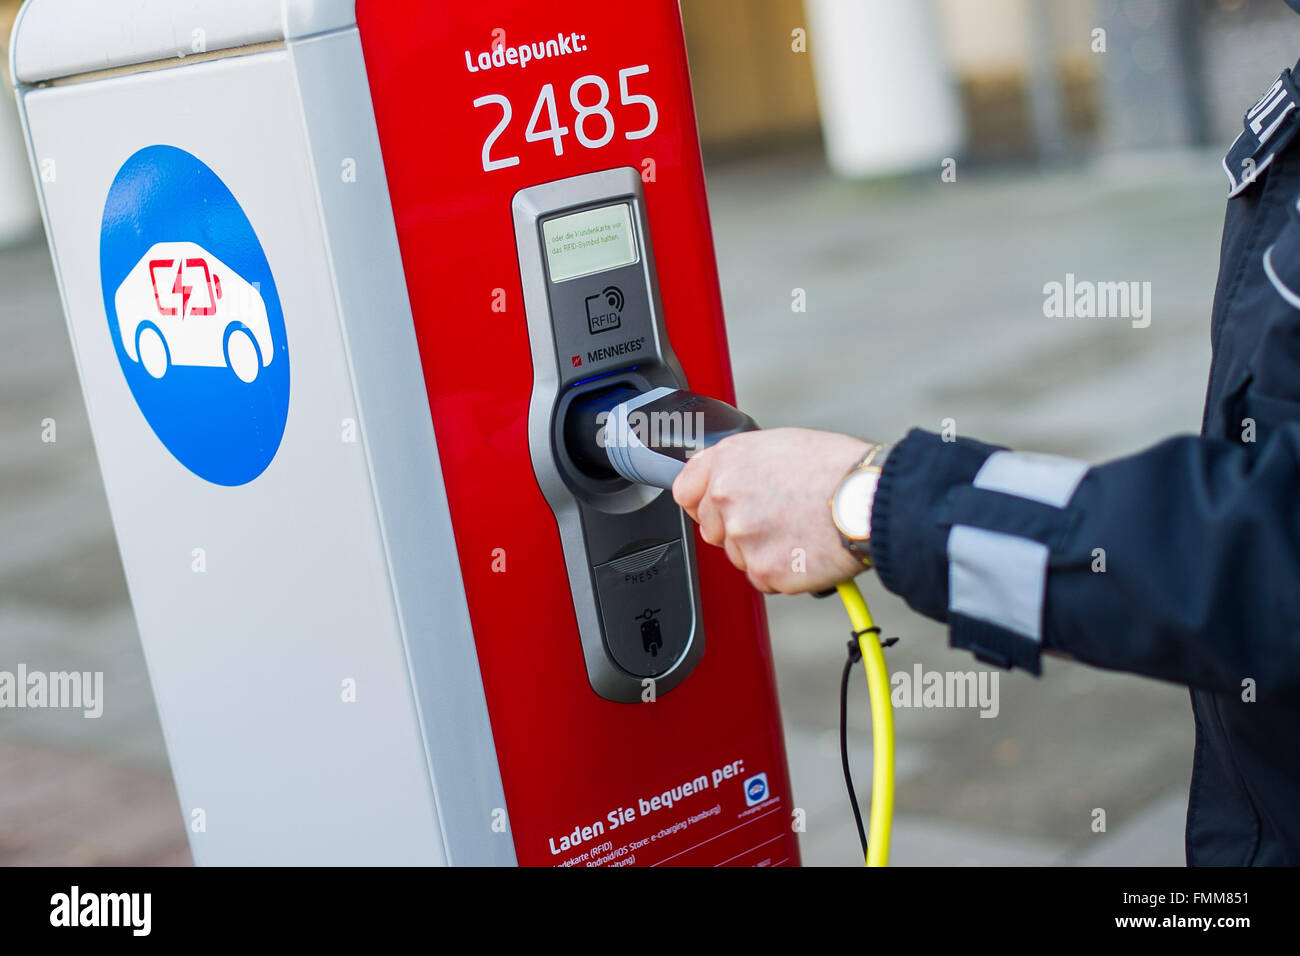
{"x": 924, "y": 303}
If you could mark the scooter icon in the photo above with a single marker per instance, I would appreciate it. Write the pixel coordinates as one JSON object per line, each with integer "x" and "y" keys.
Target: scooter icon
{"x": 652, "y": 638}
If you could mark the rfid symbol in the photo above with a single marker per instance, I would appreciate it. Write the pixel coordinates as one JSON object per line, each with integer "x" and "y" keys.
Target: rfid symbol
{"x": 605, "y": 310}
{"x": 194, "y": 315}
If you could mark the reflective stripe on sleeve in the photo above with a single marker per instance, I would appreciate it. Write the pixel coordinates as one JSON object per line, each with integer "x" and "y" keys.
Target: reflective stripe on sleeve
{"x": 998, "y": 578}
{"x": 1049, "y": 479}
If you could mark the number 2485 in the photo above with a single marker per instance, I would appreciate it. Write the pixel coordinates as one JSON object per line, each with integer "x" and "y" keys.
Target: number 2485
{"x": 593, "y": 123}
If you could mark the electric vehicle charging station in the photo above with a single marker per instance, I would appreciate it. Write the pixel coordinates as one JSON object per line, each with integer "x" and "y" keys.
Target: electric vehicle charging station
{"x": 377, "y": 259}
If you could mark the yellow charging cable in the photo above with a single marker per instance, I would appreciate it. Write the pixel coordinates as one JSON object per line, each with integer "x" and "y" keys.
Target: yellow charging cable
{"x": 882, "y": 723}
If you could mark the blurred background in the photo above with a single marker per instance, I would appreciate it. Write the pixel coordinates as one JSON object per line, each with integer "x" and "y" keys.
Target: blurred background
{"x": 892, "y": 183}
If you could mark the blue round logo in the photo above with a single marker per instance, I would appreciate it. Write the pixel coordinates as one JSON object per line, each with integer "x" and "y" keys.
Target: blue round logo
{"x": 194, "y": 315}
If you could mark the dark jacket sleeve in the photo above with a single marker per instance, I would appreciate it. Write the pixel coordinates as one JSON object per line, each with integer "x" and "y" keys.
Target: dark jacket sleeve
{"x": 1181, "y": 562}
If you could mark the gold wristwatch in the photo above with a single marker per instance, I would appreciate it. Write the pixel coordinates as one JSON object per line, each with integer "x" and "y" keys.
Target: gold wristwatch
{"x": 853, "y": 500}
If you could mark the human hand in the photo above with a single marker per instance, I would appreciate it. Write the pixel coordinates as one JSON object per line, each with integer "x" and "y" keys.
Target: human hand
{"x": 764, "y": 497}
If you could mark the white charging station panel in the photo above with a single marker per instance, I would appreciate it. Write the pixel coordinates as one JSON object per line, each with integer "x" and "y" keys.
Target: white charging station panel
{"x": 302, "y": 616}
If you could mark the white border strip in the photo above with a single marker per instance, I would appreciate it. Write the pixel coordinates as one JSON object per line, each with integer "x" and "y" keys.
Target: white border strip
{"x": 1291, "y": 298}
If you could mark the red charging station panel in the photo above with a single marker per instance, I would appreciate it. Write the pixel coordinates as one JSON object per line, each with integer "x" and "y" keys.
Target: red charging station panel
{"x": 466, "y": 119}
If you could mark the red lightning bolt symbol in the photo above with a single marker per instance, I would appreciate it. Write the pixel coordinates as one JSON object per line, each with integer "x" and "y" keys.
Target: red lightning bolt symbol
{"x": 184, "y": 290}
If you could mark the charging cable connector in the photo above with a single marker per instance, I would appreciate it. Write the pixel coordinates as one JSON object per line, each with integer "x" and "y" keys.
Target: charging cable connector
{"x": 647, "y": 438}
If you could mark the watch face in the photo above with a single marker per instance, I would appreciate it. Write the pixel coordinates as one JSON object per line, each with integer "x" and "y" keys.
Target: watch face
{"x": 853, "y": 503}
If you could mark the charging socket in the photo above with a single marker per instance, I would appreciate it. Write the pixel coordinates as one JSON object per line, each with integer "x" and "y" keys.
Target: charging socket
{"x": 595, "y": 327}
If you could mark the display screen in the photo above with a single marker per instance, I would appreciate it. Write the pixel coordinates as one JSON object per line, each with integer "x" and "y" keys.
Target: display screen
{"x": 589, "y": 241}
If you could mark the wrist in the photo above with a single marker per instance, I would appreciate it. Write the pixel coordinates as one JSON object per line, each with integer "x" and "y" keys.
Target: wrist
{"x": 878, "y": 462}
{"x": 853, "y": 501}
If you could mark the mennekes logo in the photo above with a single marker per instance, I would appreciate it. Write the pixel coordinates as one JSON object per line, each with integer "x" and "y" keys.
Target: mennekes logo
{"x": 612, "y": 351}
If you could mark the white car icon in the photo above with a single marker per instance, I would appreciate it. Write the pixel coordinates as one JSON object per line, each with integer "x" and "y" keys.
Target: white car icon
{"x": 181, "y": 305}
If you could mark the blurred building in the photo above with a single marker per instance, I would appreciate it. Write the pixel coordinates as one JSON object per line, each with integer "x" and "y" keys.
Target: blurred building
{"x": 1053, "y": 79}
{"x": 19, "y": 216}
{"x": 1050, "y": 79}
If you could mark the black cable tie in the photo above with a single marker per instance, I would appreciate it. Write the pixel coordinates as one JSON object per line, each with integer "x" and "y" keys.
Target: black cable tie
{"x": 857, "y": 635}
{"x": 855, "y": 652}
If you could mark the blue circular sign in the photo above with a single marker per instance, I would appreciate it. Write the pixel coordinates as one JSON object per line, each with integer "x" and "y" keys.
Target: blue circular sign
{"x": 194, "y": 315}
